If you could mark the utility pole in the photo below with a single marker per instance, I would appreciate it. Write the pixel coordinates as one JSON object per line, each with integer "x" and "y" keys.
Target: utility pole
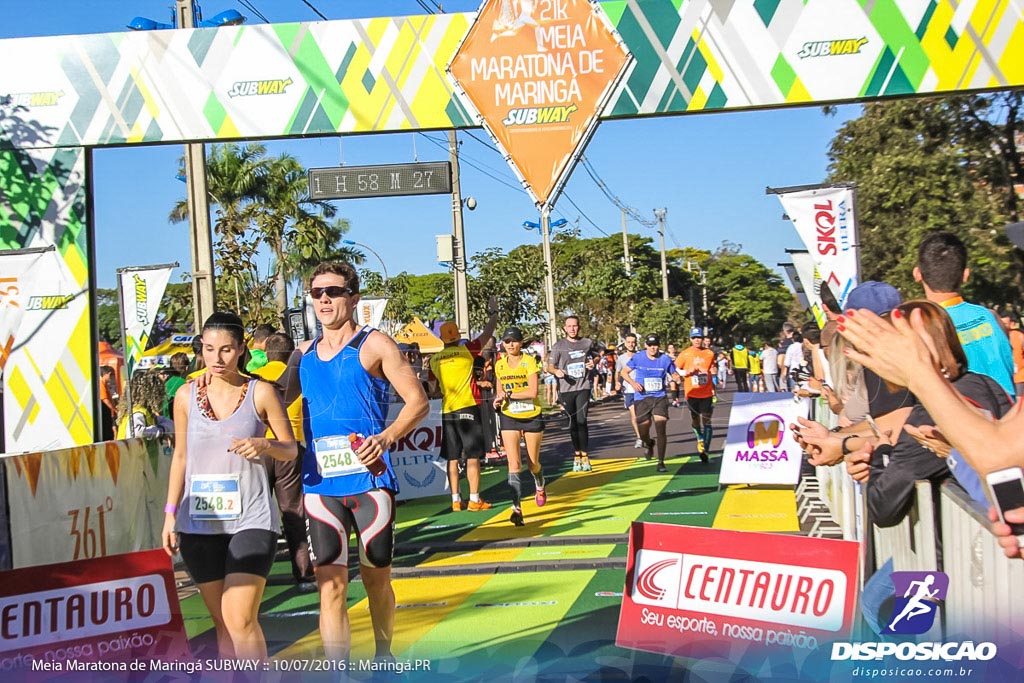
{"x": 549, "y": 276}
{"x": 459, "y": 262}
{"x": 204, "y": 300}
{"x": 660, "y": 215}
{"x": 625, "y": 242}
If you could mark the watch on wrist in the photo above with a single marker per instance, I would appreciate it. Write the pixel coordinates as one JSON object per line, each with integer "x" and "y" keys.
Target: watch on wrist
{"x": 847, "y": 451}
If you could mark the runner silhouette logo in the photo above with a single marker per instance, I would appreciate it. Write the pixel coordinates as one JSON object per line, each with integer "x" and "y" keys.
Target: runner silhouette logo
{"x": 657, "y": 578}
{"x": 917, "y": 600}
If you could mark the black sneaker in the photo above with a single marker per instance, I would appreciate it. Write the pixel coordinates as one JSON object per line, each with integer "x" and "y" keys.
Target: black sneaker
{"x": 704, "y": 457}
{"x": 517, "y": 518}
{"x": 661, "y": 467}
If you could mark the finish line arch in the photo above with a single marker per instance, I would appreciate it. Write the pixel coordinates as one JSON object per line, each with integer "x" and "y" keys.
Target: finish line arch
{"x": 75, "y": 93}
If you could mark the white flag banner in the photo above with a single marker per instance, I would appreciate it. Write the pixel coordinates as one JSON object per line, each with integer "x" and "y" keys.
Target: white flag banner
{"x": 141, "y": 290}
{"x": 796, "y": 284}
{"x": 759, "y": 447}
{"x": 826, "y": 221}
{"x": 810, "y": 282}
{"x": 18, "y": 284}
{"x": 370, "y": 310}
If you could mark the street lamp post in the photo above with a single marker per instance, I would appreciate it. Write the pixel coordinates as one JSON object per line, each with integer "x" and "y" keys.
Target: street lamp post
{"x": 359, "y": 244}
{"x": 549, "y": 274}
{"x": 459, "y": 263}
{"x": 204, "y": 301}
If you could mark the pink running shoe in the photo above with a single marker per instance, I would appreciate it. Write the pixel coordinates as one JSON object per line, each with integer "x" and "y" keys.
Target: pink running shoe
{"x": 540, "y": 497}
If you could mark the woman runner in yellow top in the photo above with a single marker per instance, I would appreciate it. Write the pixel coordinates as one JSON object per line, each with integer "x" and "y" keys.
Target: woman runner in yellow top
{"x": 518, "y": 380}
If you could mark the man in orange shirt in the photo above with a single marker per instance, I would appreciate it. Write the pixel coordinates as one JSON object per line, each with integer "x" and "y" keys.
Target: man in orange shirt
{"x": 1011, "y": 324}
{"x": 696, "y": 364}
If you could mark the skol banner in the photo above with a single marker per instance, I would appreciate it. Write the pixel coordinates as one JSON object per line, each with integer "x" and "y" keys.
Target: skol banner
{"x": 825, "y": 219}
{"x": 702, "y": 593}
{"x": 140, "y": 292}
{"x": 539, "y": 74}
{"x": 759, "y": 447}
{"x": 417, "y": 460}
{"x": 112, "y": 614}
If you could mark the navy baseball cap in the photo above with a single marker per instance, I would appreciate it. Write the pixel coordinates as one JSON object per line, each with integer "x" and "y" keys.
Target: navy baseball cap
{"x": 877, "y": 297}
{"x": 696, "y": 332}
{"x": 652, "y": 340}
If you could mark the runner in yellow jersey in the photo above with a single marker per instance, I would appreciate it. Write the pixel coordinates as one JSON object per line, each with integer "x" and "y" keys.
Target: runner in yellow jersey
{"x": 462, "y": 436}
{"x": 518, "y": 380}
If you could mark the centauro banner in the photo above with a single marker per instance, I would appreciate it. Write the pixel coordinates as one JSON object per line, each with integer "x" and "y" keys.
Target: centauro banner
{"x": 141, "y": 289}
{"x": 539, "y": 74}
{"x": 827, "y": 223}
{"x": 710, "y": 593}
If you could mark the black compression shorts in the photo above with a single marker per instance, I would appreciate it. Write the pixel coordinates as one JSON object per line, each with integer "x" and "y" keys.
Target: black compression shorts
{"x": 331, "y": 519}
{"x": 211, "y": 557}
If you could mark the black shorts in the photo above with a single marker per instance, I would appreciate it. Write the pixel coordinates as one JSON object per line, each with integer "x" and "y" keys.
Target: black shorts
{"x": 330, "y": 520}
{"x": 211, "y": 557}
{"x": 701, "y": 406}
{"x": 647, "y": 407}
{"x": 462, "y": 434}
{"x": 516, "y": 424}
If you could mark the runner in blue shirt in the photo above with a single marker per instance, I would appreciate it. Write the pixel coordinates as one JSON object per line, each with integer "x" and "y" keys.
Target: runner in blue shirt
{"x": 645, "y": 372}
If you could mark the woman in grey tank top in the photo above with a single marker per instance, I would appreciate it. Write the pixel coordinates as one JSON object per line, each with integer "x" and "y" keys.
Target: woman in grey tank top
{"x": 227, "y": 525}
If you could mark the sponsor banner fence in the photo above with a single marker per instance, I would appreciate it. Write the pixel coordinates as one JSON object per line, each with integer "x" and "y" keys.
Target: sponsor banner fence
{"x": 121, "y": 611}
{"x": 825, "y": 218}
{"x": 86, "y": 502}
{"x": 417, "y": 460}
{"x": 759, "y": 446}
{"x": 697, "y": 592}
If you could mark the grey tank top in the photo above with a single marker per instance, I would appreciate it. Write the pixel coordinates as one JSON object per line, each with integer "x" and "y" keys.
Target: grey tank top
{"x": 224, "y": 492}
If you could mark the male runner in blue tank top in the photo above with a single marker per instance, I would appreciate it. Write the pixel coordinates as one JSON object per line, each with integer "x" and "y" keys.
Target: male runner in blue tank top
{"x": 345, "y": 375}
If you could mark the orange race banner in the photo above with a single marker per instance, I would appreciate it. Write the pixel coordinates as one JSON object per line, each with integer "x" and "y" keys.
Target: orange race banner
{"x": 539, "y": 73}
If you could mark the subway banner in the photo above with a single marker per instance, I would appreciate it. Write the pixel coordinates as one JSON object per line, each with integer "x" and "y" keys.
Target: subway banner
{"x": 710, "y": 593}
{"x": 825, "y": 218}
{"x": 111, "y": 614}
{"x": 140, "y": 290}
{"x": 759, "y": 446}
{"x": 87, "y": 501}
{"x": 528, "y": 66}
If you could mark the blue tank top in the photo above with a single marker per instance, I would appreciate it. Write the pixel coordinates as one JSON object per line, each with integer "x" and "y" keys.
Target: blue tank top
{"x": 340, "y": 397}
{"x": 650, "y": 373}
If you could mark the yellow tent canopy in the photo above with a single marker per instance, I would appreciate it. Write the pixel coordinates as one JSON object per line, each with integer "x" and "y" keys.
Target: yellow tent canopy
{"x": 161, "y": 353}
{"x": 417, "y": 332}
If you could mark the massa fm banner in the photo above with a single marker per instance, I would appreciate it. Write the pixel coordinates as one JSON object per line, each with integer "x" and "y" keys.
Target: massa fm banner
{"x": 388, "y": 74}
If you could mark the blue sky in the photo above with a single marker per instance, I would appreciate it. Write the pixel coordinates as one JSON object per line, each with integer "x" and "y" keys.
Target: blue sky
{"x": 708, "y": 170}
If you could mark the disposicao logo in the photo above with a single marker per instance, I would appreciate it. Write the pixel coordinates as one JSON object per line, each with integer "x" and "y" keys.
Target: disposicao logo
{"x": 832, "y": 48}
{"x": 917, "y": 596}
{"x": 273, "y": 86}
{"x": 765, "y": 430}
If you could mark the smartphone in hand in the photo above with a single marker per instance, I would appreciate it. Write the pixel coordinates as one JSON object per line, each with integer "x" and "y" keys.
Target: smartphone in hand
{"x": 1007, "y": 490}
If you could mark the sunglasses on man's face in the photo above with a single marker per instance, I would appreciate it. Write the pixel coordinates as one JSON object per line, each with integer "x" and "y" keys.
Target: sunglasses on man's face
{"x": 333, "y": 291}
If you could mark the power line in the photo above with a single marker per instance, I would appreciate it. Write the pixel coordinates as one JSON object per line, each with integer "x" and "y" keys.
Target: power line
{"x": 252, "y": 8}
{"x": 467, "y": 160}
{"x": 589, "y": 220}
{"x": 315, "y": 10}
{"x": 606, "y": 191}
